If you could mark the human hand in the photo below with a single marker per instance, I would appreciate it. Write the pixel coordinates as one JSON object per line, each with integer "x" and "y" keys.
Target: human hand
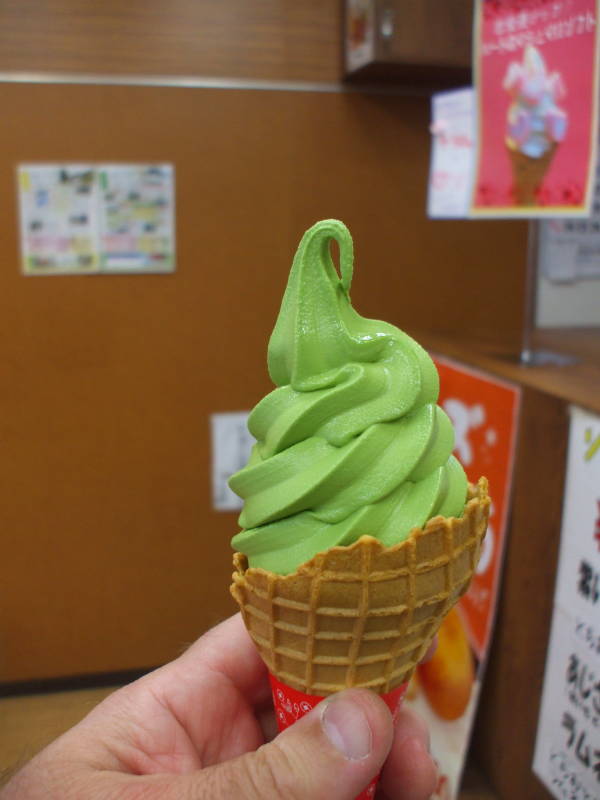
{"x": 203, "y": 727}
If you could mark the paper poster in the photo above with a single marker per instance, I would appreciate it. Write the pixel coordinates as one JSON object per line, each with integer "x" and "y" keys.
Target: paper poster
{"x": 569, "y": 249}
{"x": 231, "y": 443}
{"x": 136, "y": 217}
{"x": 445, "y": 691}
{"x": 59, "y": 221}
{"x": 452, "y": 154}
{"x": 568, "y": 269}
{"x": 536, "y": 76}
{"x": 90, "y": 218}
{"x": 360, "y": 33}
{"x": 568, "y": 277}
{"x": 567, "y": 751}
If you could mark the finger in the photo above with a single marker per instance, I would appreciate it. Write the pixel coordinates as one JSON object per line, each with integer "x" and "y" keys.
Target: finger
{"x": 228, "y": 649}
{"x": 410, "y": 772}
{"x": 334, "y": 751}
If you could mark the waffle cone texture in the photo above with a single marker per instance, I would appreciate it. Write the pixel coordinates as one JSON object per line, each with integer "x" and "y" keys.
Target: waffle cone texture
{"x": 362, "y": 615}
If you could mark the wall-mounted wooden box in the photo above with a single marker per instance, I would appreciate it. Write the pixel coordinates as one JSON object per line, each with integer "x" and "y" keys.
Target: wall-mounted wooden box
{"x": 416, "y": 42}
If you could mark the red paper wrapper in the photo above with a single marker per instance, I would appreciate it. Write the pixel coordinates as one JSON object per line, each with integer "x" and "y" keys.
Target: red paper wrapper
{"x": 290, "y": 705}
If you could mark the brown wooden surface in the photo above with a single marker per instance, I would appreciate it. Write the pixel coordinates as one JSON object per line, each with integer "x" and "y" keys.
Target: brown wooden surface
{"x": 112, "y": 555}
{"x": 428, "y": 32}
{"x": 505, "y": 730}
{"x": 260, "y": 39}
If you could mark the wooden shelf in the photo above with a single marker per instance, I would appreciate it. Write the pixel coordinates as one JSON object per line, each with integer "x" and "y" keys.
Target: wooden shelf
{"x": 577, "y": 383}
{"x": 418, "y": 43}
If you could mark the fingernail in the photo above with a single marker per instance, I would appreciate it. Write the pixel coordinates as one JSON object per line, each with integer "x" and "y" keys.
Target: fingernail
{"x": 347, "y": 728}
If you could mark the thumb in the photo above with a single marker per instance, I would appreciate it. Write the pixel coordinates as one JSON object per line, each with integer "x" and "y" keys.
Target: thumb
{"x": 334, "y": 751}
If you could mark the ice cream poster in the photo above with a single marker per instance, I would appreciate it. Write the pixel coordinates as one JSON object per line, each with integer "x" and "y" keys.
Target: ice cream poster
{"x": 567, "y": 750}
{"x": 536, "y": 78}
{"x": 91, "y": 218}
{"x": 445, "y": 691}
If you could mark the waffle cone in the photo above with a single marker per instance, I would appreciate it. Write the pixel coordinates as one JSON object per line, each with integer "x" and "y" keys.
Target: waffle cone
{"x": 362, "y": 615}
{"x": 528, "y": 174}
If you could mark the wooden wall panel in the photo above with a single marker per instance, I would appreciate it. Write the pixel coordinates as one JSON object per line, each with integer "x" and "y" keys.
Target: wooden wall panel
{"x": 260, "y": 39}
{"x": 112, "y": 556}
{"x": 428, "y": 32}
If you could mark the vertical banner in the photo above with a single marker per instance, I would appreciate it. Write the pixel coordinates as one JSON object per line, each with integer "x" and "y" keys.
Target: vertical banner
{"x": 536, "y": 76}
{"x": 484, "y": 411}
{"x": 567, "y": 751}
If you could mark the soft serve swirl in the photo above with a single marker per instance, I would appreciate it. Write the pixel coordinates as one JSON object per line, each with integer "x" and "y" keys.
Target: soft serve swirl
{"x": 352, "y": 441}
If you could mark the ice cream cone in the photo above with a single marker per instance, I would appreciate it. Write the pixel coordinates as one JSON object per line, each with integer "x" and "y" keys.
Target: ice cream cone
{"x": 528, "y": 174}
{"x": 361, "y": 615}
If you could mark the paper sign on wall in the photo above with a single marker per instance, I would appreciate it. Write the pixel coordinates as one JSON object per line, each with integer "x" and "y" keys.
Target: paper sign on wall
{"x": 360, "y": 33}
{"x": 536, "y": 76}
{"x": 231, "y": 445}
{"x": 90, "y": 218}
{"x": 484, "y": 412}
{"x": 567, "y": 751}
{"x": 568, "y": 291}
{"x": 452, "y": 154}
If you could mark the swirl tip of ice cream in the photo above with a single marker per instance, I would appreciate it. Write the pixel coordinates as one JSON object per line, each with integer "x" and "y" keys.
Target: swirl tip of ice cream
{"x": 351, "y": 442}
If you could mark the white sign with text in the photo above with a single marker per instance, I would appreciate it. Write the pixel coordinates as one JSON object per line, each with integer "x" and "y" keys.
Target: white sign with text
{"x": 567, "y": 752}
{"x": 452, "y": 154}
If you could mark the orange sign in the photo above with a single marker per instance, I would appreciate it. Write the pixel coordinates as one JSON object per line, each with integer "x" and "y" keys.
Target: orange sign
{"x": 484, "y": 411}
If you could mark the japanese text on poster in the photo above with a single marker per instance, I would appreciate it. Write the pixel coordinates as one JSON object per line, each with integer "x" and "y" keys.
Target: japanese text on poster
{"x": 567, "y": 752}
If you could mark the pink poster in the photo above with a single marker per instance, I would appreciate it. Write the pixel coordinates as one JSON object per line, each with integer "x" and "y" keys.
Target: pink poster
{"x": 536, "y": 74}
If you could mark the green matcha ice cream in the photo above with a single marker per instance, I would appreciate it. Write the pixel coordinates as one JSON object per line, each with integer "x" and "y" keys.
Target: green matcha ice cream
{"x": 352, "y": 441}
